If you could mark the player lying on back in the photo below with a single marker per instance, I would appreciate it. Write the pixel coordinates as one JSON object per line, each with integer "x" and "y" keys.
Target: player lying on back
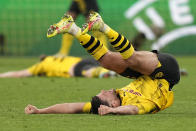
{"x": 69, "y": 66}
{"x": 155, "y": 73}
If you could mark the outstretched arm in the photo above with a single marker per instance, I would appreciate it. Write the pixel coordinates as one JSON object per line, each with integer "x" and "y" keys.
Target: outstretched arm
{"x": 65, "y": 108}
{"x": 121, "y": 110}
{"x": 21, "y": 73}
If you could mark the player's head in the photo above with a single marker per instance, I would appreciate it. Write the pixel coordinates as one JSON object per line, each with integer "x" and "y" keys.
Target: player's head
{"x": 108, "y": 98}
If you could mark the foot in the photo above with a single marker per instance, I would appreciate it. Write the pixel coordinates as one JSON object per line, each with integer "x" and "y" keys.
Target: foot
{"x": 95, "y": 22}
{"x": 63, "y": 26}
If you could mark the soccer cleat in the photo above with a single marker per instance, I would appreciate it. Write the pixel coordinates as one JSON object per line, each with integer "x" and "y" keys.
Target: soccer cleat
{"x": 63, "y": 26}
{"x": 95, "y": 22}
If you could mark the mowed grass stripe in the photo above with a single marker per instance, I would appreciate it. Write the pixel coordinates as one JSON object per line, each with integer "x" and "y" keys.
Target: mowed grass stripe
{"x": 16, "y": 93}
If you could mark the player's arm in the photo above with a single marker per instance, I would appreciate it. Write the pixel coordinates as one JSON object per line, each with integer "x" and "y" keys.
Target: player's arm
{"x": 21, "y": 73}
{"x": 121, "y": 110}
{"x": 65, "y": 108}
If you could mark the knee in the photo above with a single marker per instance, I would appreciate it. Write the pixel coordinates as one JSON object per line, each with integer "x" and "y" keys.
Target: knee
{"x": 105, "y": 62}
{"x": 133, "y": 60}
{"x": 113, "y": 61}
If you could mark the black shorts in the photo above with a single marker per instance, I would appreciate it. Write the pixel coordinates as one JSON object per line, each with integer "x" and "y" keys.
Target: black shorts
{"x": 84, "y": 64}
{"x": 168, "y": 70}
{"x": 84, "y": 7}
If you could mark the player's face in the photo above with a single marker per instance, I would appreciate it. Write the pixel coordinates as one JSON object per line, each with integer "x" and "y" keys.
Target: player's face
{"x": 108, "y": 96}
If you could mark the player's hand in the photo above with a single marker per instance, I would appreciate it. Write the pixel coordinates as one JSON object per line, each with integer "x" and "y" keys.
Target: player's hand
{"x": 30, "y": 109}
{"x": 103, "y": 110}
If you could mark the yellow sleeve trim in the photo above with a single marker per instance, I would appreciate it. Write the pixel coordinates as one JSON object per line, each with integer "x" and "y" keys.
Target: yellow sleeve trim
{"x": 87, "y": 108}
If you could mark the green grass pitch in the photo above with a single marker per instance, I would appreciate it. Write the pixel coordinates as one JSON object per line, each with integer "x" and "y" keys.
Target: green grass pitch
{"x": 16, "y": 93}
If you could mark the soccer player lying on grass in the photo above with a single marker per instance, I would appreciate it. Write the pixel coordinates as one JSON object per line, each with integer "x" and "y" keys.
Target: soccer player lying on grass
{"x": 69, "y": 66}
{"x": 155, "y": 73}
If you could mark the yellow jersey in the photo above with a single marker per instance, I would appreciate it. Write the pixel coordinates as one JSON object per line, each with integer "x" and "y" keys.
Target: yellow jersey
{"x": 54, "y": 66}
{"x": 147, "y": 94}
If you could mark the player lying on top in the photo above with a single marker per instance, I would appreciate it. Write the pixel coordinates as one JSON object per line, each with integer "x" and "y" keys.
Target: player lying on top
{"x": 155, "y": 73}
{"x": 69, "y": 66}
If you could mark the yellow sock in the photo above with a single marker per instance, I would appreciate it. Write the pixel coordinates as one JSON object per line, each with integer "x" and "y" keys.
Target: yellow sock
{"x": 66, "y": 43}
{"x": 120, "y": 44}
{"x": 101, "y": 37}
{"x": 92, "y": 45}
{"x": 97, "y": 71}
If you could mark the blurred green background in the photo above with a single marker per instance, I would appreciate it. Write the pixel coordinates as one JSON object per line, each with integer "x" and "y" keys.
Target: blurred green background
{"x": 24, "y": 24}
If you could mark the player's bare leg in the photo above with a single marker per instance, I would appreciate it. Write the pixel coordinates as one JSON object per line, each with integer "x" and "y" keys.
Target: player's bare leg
{"x": 144, "y": 62}
{"x": 91, "y": 44}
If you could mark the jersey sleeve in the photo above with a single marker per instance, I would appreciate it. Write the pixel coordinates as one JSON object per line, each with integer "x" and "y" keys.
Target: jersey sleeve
{"x": 35, "y": 69}
{"x": 87, "y": 108}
